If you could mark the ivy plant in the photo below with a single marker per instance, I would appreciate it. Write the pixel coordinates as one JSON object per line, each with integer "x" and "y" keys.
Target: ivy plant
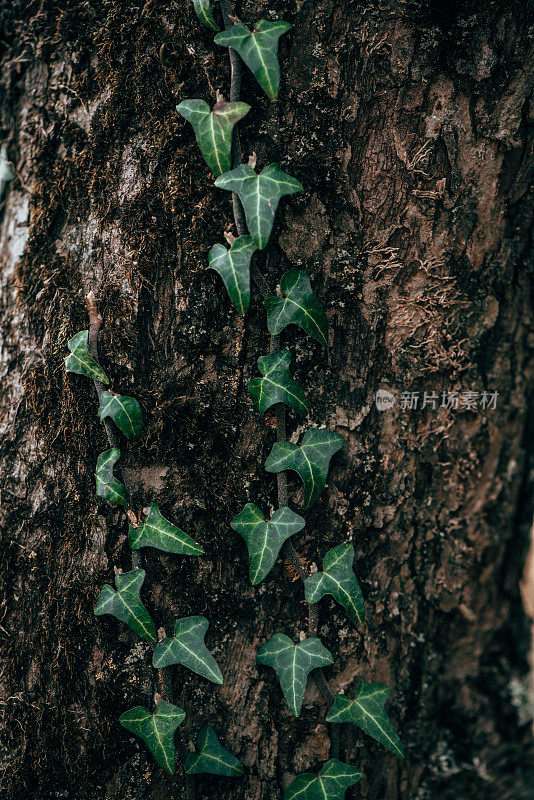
{"x": 212, "y": 757}
{"x": 187, "y": 647}
{"x": 339, "y": 580}
{"x": 156, "y": 730}
{"x": 203, "y": 10}
{"x": 298, "y": 306}
{"x": 79, "y": 360}
{"x": 234, "y": 268}
{"x": 213, "y": 129}
{"x": 293, "y": 663}
{"x": 331, "y": 783}
{"x": 277, "y": 385}
{"x": 125, "y": 604}
{"x": 161, "y": 534}
{"x": 107, "y": 485}
{"x": 259, "y": 195}
{"x": 124, "y": 411}
{"x": 367, "y": 711}
{"x": 264, "y": 539}
{"x": 310, "y": 460}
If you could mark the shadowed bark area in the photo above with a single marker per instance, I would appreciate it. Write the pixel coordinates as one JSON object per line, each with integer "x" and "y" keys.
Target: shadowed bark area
{"x": 409, "y": 126}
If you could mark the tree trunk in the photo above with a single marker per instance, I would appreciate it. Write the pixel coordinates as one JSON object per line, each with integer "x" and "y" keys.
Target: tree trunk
{"x": 408, "y": 125}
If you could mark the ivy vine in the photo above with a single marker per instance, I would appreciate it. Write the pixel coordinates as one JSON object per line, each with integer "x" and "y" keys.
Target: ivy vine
{"x": 255, "y": 199}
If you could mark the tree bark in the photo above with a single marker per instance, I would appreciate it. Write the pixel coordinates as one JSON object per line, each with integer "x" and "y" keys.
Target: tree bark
{"x": 409, "y": 126}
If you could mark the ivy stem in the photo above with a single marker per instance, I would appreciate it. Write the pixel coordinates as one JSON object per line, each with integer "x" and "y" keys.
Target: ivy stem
{"x": 274, "y": 345}
{"x": 164, "y": 674}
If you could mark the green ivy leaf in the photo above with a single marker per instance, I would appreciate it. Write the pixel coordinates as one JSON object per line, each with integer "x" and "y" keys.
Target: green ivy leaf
{"x": 107, "y": 485}
{"x": 126, "y": 605}
{"x": 277, "y": 385}
{"x": 368, "y": 713}
{"x": 213, "y": 129}
{"x": 187, "y": 647}
{"x": 310, "y": 460}
{"x": 213, "y": 758}
{"x": 156, "y": 730}
{"x": 234, "y": 268}
{"x": 79, "y": 360}
{"x": 259, "y": 195}
{"x": 339, "y": 580}
{"x": 298, "y": 306}
{"x": 264, "y": 539}
{"x": 293, "y": 663}
{"x": 205, "y": 14}
{"x": 124, "y": 411}
{"x": 160, "y": 533}
{"x": 331, "y": 783}
{"x": 259, "y": 51}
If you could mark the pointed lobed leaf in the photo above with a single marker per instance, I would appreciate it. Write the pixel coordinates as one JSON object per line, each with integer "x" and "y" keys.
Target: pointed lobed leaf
{"x": 107, "y": 485}
{"x": 368, "y": 713}
{"x": 298, "y": 306}
{"x": 259, "y": 195}
{"x": 277, "y": 385}
{"x": 156, "y": 730}
{"x": 79, "y": 360}
{"x": 187, "y": 647}
{"x": 213, "y": 758}
{"x": 331, "y": 783}
{"x": 160, "y": 533}
{"x": 264, "y": 539}
{"x": 203, "y": 10}
{"x": 259, "y": 51}
{"x": 234, "y": 268}
{"x": 213, "y": 129}
{"x": 310, "y": 460}
{"x": 125, "y": 603}
{"x": 124, "y": 411}
{"x": 339, "y": 580}
{"x": 293, "y": 663}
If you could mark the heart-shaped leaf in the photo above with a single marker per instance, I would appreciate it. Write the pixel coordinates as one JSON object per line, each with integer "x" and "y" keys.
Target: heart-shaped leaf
{"x": 79, "y": 360}
{"x": 187, "y": 647}
{"x": 156, "y": 730}
{"x": 205, "y": 14}
{"x": 368, "y": 713}
{"x": 265, "y": 539}
{"x": 339, "y": 580}
{"x": 163, "y": 535}
{"x": 259, "y": 51}
{"x": 277, "y": 385}
{"x": 234, "y": 268}
{"x": 310, "y": 460}
{"x": 331, "y": 783}
{"x": 259, "y": 195}
{"x": 213, "y": 129}
{"x": 298, "y": 306}
{"x": 107, "y": 485}
{"x": 126, "y": 605}
{"x": 213, "y": 758}
{"x": 293, "y": 663}
{"x": 124, "y": 411}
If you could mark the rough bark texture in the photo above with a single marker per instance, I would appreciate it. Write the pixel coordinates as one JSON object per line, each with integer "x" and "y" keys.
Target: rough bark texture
{"x": 408, "y": 124}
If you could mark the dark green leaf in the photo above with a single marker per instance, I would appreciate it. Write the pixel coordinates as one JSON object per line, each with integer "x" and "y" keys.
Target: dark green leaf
{"x": 234, "y": 268}
{"x": 259, "y": 51}
{"x": 159, "y": 533}
{"x": 259, "y": 195}
{"x": 213, "y": 758}
{"x": 187, "y": 647}
{"x": 265, "y": 539}
{"x": 310, "y": 460}
{"x": 80, "y": 361}
{"x": 126, "y": 605}
{"x": 124, "y": 411}
{"x": 298, "y": 306}
{"x": 213, "y": 129}
{"x": 331, "y": 783}
{"x": 156, "y": 730}
{"x": 277, "y": 385}
{"x": 205, "y": 14}
{"x": 107, "y": 485}
{"x": 293, "y": 663}
{"x": 339, "y": 580}
{"x": 368, "y": 713}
